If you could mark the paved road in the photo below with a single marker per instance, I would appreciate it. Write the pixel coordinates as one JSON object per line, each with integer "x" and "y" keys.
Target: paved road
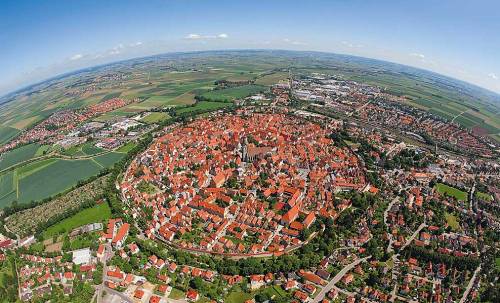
{"x": 107, "y": 255}
{"x": 386, "y": 213}
{"x": 413, "y": 236}
{"x": 469, "y": 286}
{"x": 337, "y": 278}
{"x": 122, "y": 296}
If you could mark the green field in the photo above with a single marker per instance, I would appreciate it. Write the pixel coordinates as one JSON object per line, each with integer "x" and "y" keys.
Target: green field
{"x": 18, "y": 155}
{"x": 451, "y": 191}
{"x": 452, "y": 221}
{"x": 483, "y": 196}
{"x": 98, "y": 213}
{"x": 176, "y": 294}
{"x": 238, "y": 297}
{"x": 126, "y": 147}
{"x": 204, "y": 105}
{"x": 155, "y": 117}
{"x": 230, "y": 94}
{"x": 7, "y": 133}
{"x": 272, "y": 78}
{"x": 42, "y": 179}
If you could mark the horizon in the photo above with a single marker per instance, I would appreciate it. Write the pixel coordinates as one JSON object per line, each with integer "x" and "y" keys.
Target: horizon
{"x": 455, "y": 39}
{"x": 83, "y": 69}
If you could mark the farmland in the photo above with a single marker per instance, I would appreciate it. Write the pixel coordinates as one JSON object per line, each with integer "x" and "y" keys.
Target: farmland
{"x": 44, "y": 178}
{"x": 98, "y": 213}
{"x": 204, "y": 105}
{"x": 229, "y": 94}
{"x": 27, "y": 221}
{"x": 6, "y": 133}
{"x": 155, "y": 117}
{"x": 18, "y": 155}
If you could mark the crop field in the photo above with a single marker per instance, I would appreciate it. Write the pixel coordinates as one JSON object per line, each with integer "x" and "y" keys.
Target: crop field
{"x": 271, "y": 78}
{"x": 127, "y": 147}
{"x": 155, "y": 117}
{"x": 229, "y": 94}
{"x": 205, "y": 105}
{"x": 108, "y": 160}
{"x": 42, "y": 179}
{"x": 98, "y": 213}
{"x": 7, "y": 133}
{"x": 451, "y": 191}
{"x": 18, "y": 155}
{"x": 174, "y": 80}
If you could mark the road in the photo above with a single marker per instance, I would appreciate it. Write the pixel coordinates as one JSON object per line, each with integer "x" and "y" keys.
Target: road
{"x": 107, "y": 255}
{"x": 386, "y": 213}
{"x": 337, "y": 278}
{"x": 469, "y": 286}
{"x": 413, "y": 236}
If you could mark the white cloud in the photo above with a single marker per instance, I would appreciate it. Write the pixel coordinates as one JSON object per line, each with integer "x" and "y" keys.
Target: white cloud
{"x": 293, "y": 42}
{"x": 421, "y": 56}
{"x": 351, "y": 45}
{"x": 493, "y": 76}
{"x": 206, "y": 37}
{"x": 76, "y": 57}
{"x": 138, "y": 43}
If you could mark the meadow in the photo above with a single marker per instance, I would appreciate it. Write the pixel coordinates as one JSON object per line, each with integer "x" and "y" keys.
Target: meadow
{"x": 98, "y": 213}
{"x": 451, "y": 191}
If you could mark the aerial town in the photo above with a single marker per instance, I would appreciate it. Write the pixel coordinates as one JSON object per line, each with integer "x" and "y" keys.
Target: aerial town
{"x": 317, "y": 190}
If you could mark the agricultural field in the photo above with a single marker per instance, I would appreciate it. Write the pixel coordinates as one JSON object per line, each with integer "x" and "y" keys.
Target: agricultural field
{"x": 27, "y": 221}
{"x": 126, "y": 147}
{"x": 155, "y": 117}
{"x": 45, "y": 178}
{"x": 230, "y": 94}
{"x": 272, "y": 78}
{"x": 18, "y": 155}
{"x": 7, "y": 133}
{"x": 98, "y": 213}
{"x": 205, "y": 105}
{"x": 451, "y": 191}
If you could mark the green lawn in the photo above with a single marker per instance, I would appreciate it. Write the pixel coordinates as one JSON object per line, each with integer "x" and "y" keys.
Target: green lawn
{"x": 452, "y": 221}
{"x": 98, "y": 213}
{"x": 18, "y": 155}
{"x": 229, "y": 94}
{"x": 483, "y": 196}
{"x": 451, "y": 191}
{"x": 237, "y": 297}
{"x": 176, "y": 294}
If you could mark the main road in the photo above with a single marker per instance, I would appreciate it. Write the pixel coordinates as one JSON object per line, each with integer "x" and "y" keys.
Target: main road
{"x": 337, "y": 278}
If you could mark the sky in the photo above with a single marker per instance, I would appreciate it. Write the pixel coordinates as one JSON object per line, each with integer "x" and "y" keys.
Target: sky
{"x": 41, "y": 39}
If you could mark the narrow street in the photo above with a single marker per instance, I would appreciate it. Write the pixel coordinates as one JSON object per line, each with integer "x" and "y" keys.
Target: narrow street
{"x": 337, "y": 278}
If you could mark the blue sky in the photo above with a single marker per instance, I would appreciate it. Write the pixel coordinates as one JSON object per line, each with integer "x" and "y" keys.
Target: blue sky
{"x": 40, "y": 39}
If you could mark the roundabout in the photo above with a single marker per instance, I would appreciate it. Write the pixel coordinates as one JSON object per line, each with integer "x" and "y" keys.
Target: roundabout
{"x": 240, "y": 185}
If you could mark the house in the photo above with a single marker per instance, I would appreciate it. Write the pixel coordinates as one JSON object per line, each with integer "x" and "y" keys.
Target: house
{"x": 256, "y": 281}
{"x": 121, "y": 235}
{"x": 192, "y": 295}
